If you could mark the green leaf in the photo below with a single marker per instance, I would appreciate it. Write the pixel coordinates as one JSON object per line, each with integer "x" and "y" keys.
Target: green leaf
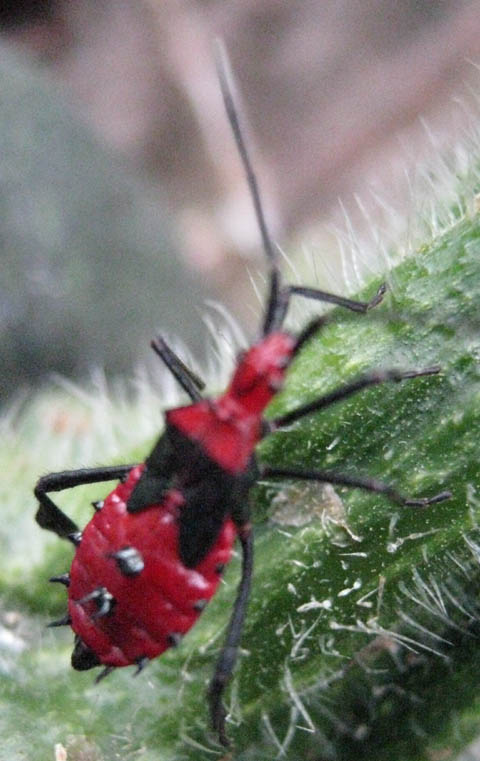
{"x": 362, "y": 632}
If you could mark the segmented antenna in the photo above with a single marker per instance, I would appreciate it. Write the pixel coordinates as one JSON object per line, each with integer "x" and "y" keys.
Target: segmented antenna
{"x": 225, "y": 79}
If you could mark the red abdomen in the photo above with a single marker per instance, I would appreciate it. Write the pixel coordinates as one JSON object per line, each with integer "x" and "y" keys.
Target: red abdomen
{"x": 150, "y": 608}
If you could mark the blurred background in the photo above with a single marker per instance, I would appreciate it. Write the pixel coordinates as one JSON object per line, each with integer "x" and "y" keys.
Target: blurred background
{"x": 123, "y": 205}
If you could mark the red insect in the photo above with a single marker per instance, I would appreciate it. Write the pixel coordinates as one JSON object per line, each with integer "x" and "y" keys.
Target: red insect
{"x": 153, "y": 554}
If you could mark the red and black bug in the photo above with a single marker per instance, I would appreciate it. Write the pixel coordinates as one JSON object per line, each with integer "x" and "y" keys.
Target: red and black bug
{"x": 152, "y": 556}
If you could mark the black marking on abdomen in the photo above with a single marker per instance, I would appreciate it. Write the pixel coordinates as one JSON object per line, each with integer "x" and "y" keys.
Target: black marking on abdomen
{"x": 64, "y": 579}
{"x": 103, "y": 599}
{"x": 174, "y": 639}
{"x": 129, "y": 561}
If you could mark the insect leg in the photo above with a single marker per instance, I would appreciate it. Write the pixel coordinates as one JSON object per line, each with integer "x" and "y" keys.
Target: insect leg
{"x": 328, "y": 298}
{"x": 189, "y": 381}
{"x": 356, "y": 482}
{"x": 228, "y": 656}
{"x": 364, "y": 381}
{"x": 49, "y": 516}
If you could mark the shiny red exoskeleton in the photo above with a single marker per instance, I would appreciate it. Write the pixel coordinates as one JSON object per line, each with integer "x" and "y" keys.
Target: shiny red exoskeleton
{"x": 160, "y": 599}
{"x": 152, "y": 555}
{"x": 130, "y": 595}
{"x": 229, "y": 428}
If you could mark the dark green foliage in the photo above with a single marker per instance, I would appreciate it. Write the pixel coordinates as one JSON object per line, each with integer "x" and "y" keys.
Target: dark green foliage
{"x": 362, "y": 636}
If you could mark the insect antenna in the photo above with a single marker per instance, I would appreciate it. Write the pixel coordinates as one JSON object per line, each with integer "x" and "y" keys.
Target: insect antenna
{"x": 279, "y": 295}
{"x": 189, "y": 381}
{"x": 276, "y": 308}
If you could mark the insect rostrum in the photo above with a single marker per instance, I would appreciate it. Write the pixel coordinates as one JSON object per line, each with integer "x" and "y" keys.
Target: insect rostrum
{"x": 153, "y": 553}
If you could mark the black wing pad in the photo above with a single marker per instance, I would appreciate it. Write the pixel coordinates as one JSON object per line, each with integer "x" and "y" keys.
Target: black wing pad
{"x": 157, "y": 476}
{"x": 201, "y": 519}
{"x": 175, "y": 462}
{"x": 211, "y": 493}
{"x": 216, "y": 496}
